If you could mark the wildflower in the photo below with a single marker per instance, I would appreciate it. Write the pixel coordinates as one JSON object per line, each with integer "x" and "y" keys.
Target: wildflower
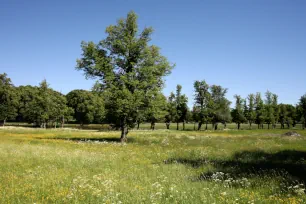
{"x": 224, "y": 193}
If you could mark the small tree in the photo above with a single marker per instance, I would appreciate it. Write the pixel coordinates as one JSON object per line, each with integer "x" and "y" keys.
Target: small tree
{"x": 156, "y": 109}
{"x": 178, "y": 113}
{"x": 184, "y": 110}
{"x": 302, "y": 108}
{"x": 260, "y": 111}
{"x": 181, "y": 107}
{"x": 202, "y": 102}
{"x": 292, "y": 115}
{"x": 220, "y": 106}
{"x": 251, "y": 114}
{"x": 269, "y": 108}
{"x": 238, "y": 112}
{"x": 171, "y": 110}
{"x": 275, "y": 109}
{"x": 195, "y": 113}
{"x": 283, "y": 115}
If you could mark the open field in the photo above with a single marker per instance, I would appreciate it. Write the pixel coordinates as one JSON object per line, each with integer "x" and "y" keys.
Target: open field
{"x": 72, "y": 166}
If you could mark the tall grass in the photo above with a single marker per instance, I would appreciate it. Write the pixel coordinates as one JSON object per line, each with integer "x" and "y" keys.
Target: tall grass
{"x": 71, "y": 166}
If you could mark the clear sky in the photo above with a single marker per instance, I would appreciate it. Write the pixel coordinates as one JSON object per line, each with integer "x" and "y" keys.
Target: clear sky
{"x": 245, "y": 46}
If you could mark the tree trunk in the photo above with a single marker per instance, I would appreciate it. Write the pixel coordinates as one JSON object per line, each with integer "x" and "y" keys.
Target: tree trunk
{"x": 206, "y": 126}
{"x": 63, "y": 121}
{"x": 168, "y": 126}
{"x": 184, "y": 125}
{"x": 216, "y": 126}
{"x": 258, "y": 126}
{"x": 177, "y": 126}
{"x": 194, "y": 126}
{"x": 124, "y": 132}
{"x": 152, "y": 125}
{"x": 268, "y": 126}
{"x": 138, "y": 123}
{"x": 238, "y": 126}
{"x": 199, "y": 125}
{"x": 224, "y": 125}
{"x": 250, "y": 126}
{"x": 4, "y": 121}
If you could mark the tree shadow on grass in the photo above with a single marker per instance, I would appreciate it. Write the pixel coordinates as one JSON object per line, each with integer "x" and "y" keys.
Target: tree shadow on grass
{"x": 289, "y": 164}
{"x": 91, "y": 140}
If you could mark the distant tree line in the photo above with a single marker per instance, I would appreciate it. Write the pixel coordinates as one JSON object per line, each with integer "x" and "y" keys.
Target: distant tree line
{"x": 43, "y": 106}
{"x": 130, "y": 77}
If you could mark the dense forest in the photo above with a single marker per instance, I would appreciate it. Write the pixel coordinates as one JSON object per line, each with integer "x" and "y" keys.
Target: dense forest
{"x": 130, "y": 78}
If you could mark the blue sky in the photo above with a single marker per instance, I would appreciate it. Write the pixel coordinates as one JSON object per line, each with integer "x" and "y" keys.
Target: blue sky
{"x": 245, "y": 46}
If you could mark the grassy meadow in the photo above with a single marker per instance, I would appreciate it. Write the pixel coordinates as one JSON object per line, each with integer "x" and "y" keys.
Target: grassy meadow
{"x": 161, "y": 166}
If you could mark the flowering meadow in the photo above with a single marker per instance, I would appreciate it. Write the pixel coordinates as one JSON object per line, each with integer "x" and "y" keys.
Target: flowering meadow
{"x": 162, "y": 166}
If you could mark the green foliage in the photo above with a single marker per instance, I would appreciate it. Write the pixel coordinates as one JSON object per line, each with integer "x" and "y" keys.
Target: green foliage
{"x": 202, "y": 107}
{"x": 238, "y": 114}
{"x": 270, "y": 108}
{"x": 171, "y": 110}
{"x": 8, "y": 99}
{"x": 128, "y": 68}
{"x": 26, "y": 94}
{"x": 287, "y": 115}
{"x": 260, "y": 111}
{"x": 87, "y": 106}
{"x": 250, "y": 109}
{"x": 220, "y": 106}
{"x": 42, "y": 105}
{"x": 275, "y": 109}
{"x": 156, "y": 109}
{"x": 181, "y": 106}
{"x": 302, "y": 109}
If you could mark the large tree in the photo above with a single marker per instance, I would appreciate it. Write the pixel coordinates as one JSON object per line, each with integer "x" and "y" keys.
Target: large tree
{"x": 8, "y": 99}
{"x": 128, "y": 68}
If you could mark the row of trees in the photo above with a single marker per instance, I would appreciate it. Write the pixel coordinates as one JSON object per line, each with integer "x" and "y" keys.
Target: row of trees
{"x": 130, "y": 77}
{"x": 42, "y": 105}
{"x": 254, "y": 109}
